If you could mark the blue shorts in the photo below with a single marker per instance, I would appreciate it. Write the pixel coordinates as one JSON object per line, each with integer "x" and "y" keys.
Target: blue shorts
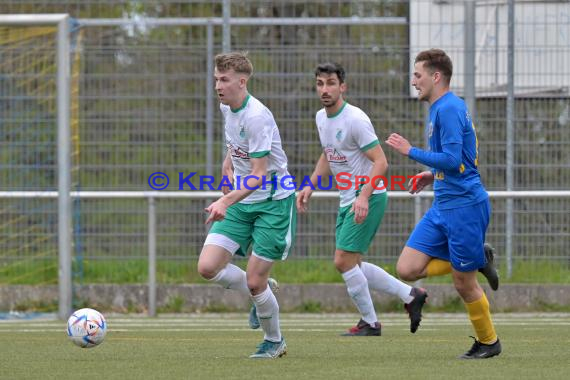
{"x": 455, "y": 235}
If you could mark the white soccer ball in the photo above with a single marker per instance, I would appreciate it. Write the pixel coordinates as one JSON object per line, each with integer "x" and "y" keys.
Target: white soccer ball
{"x": 86, "y": 328}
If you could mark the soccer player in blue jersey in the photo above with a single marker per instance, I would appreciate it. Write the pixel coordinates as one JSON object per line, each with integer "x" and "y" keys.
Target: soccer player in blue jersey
{"x": 454, "y": 228}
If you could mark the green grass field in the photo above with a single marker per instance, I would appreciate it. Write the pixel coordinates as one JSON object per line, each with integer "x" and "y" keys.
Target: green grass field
{"x": 216, "y": 346}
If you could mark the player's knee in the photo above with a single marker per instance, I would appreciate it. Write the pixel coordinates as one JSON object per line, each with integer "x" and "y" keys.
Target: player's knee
{"x": 339, "y": 264}
{"x": 256, "y": 284}
{"x": 342, "y": 265}
{"x": 466, "y": 289}
{"x": 405, "y": 272}
{"x": 345, "y": 261}
{"x": 206, "y": 270}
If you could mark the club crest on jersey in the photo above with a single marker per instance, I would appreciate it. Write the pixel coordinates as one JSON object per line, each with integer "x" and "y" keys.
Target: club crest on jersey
{"x": 334, "y": 156}
{"x": 338, "y": 135}
{"x": 242, "y": 131}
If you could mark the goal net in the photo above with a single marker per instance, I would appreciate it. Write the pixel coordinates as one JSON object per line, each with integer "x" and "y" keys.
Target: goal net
{"x": 39, "y": 123}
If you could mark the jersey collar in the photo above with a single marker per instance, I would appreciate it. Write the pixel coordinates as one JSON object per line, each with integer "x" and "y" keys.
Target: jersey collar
{"x": 242, "y": 105}
{"x": 339, "y": 111}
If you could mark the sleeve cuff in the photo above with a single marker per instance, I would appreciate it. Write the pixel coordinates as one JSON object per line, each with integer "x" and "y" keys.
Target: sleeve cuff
{"x": 259, "y": 154}
{"x": 412, "y": 153}
{"x": 369, "y": 146}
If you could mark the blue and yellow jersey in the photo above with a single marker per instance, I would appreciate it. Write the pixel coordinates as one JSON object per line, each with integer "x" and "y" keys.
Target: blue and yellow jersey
{"x": 452, "y": 137}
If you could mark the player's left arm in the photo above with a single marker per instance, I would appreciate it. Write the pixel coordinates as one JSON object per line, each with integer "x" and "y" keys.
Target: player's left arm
{"x": 379, "y": 168}
{"x": 365, "y": 138}
{"x": 451, "y": 137}
{"x": 448, "y": 159}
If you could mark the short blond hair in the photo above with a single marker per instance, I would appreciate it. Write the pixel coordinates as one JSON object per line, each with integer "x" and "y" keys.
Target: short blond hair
{"x": 235, "y": 60}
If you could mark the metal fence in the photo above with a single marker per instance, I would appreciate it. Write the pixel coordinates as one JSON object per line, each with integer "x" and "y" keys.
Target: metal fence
{"x": 144, "y": 105}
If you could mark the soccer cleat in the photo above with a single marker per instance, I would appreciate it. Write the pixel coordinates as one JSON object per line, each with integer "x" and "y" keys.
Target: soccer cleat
{"x": 489, "y": 270}
{"x": 414, "y": 308}
{"x": 270, "y": 350}
{"x": 482, "y": 351}
{"x": 253, "y": 319}
{"x": 363, "y": 328}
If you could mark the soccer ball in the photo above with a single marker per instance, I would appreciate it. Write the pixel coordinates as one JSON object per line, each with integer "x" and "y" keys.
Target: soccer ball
{"x": 86, "y": 328}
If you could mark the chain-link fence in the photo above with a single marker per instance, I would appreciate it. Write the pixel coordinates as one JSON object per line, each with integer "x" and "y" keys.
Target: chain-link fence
{"x": 142, "y": 107}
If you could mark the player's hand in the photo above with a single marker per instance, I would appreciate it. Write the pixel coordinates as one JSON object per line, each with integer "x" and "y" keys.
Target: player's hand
{"x": 398, "y": 143}
{"x": 303, "y": 199}
{"x": 217, "y": 211}
{"x": 419, "y": 181}
{"x": 360, "y": 209}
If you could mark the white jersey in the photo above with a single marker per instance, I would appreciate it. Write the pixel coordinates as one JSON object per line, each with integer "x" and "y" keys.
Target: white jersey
{"x": 345, "y": 137}
{"x": 251, "y": 131}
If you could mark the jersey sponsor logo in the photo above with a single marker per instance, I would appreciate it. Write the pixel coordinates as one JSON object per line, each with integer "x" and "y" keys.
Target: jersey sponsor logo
{"x": 430, "y": 129}
{"x": 439, "y": 176}
{"x": 238, "y": 152}
{"x": 334, "y": 156}
{"x": 242, "y": 131}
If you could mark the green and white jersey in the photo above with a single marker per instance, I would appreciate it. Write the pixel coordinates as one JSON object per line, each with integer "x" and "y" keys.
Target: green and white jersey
{"x": 345, "y": 136}
{"x": 251, "y": 131}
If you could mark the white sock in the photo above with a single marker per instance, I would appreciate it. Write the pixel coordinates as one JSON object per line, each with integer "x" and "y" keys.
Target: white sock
{"x": 268, "y": 314}
{"x": 379, "y": 279}
{"x": 232, "y": 277}
{"x": 357, "y": 287}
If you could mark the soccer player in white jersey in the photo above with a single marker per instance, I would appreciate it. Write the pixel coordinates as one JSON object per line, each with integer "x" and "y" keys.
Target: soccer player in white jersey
{"x": 351, "y": 148}
{"x": 259, "y": 211}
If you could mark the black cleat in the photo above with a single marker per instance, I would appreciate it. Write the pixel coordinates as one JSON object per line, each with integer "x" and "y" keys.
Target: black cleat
{"x": 363, "y": 328}
{"x": 482, "y": 351}
{"x": 489, "y": 270}
{"x": 414, "y": 308}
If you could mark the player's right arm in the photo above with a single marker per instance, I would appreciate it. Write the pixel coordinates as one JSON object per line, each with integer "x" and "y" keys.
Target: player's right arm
{"x": 228, "y": 171}
{"x": 217, "y": 210}
{"x": 321, "y": 169}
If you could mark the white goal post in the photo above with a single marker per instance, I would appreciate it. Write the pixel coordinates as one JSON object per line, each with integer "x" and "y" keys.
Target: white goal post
{"x": 63, "y": 82}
